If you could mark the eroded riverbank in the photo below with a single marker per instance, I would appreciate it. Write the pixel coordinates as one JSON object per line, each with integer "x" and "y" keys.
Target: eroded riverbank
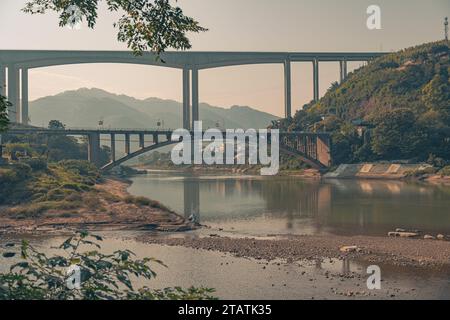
{"x": 113, "y": 208}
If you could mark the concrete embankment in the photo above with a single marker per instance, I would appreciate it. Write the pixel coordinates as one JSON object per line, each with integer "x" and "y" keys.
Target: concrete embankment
{"x": 375, "y": 170}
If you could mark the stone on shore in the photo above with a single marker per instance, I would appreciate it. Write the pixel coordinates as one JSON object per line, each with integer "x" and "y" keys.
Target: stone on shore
{"x": 428, "y": 237}
{"x": 403, "y": 234}
{"x": 349, "y": 249}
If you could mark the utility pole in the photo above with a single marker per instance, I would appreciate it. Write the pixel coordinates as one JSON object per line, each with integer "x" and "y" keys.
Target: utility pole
{"x": 446, "y": 28}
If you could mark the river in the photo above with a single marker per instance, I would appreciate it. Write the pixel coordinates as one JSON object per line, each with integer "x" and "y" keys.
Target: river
{"x": 264, "y": 206}
{"x": 288, "y": 205}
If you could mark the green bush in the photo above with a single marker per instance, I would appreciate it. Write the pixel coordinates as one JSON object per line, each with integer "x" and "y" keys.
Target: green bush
{"x": 128, "y": 199}
{"x": 83, "y": 168}
{"x": 22, "y": 171}
{"x": 445, "y": 171}
{"x": 421, "y": 172}
{"x": 37, "y": 164}
{"x": 142, "y": 201}
{"x": 145, "y": 202}
{"x": 102, "y": 276}
{"x": 24, "y": 148}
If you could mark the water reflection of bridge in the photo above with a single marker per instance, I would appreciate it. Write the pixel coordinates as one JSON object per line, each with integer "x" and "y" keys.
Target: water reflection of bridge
{"x": 354, "y": 207}
{"x": 192, "y": 199}
{"x": 300, "y": 200}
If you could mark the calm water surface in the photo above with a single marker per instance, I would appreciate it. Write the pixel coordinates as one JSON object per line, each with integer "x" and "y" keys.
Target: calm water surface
{"x": 289, "y": 205}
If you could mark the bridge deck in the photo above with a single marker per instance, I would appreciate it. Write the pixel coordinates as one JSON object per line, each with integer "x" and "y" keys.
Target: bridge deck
{"x": 200, "y": 60}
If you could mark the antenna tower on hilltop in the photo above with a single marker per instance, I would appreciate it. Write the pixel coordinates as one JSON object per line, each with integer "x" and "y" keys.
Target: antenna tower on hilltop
{"x": 446, "y": 28}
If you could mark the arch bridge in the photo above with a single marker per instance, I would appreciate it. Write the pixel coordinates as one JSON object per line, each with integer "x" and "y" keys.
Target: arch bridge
{"x": 313, "y": 148}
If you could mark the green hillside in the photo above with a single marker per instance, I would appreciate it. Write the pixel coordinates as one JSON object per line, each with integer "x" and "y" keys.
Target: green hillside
{"x": 402, "y": 102}
{"x": 85, "y": 107}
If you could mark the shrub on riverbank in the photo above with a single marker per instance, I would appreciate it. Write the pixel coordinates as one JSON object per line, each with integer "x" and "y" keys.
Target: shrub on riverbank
{"x": 445, "y": 171}
{"x": 421, "y": 172}
{"x": 94, "y": 276}
{"x": 143, "y": 201}
{"x": 39, "y": 186}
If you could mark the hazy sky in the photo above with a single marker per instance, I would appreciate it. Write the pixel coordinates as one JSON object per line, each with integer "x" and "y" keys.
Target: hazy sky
{"x": 235, "y": 25}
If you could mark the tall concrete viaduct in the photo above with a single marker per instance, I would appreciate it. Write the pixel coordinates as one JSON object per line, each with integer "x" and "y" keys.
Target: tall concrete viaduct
{"x": 15, "y": 64}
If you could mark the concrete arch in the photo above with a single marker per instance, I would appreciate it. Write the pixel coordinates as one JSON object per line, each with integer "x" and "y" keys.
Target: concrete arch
{"x": 137, "y": 153}
{"x": 312, "y": 162}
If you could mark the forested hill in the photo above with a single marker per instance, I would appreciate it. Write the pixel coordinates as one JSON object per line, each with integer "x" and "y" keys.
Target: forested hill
{"x": 403, "y": 97}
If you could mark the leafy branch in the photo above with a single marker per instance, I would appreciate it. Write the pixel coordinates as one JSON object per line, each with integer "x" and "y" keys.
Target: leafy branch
{"x": 144, "y": 25}
{"x": 102, "y": 276}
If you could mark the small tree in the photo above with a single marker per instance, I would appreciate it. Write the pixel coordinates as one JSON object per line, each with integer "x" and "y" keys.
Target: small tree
{"x": 397, "y": 135}
{"x": 102, "y": 276}
{"x": 436, "y": 94}
{"x": 4, "y": 121}
{"x": 56, "y": 124}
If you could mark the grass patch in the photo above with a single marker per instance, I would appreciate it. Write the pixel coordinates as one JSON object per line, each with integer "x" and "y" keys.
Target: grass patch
{"x": 445, "y": 171}
{"x": 36, "y": 187}
{"x": 421, "y": 172}
{"x": 36, "y": 210}
{"x": 145, "y": 202}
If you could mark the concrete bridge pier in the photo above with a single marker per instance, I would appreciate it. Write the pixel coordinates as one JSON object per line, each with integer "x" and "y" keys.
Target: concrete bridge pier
{"x": 343, "y": 69}
{"x": 186, "y": 99}
{"x": 94, "y": 148}
{"x": 3, "y": 80}
{"x": 316, "y": 79}
{"x": 141, "y": 141}
{"x": 155, "y": 139}
{"x": 17, "y": 92}
{"x": 195, "y": 97}
{"x": 287, "y": 89}
{"x": 113, "y": 147}
{"x": 13, "y": 93}
{"x": 24, "y": 95}
{"x": 127, "y": 144}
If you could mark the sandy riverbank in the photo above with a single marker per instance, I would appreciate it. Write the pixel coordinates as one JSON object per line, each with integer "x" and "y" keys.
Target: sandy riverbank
{"x": 383, "y": 250}
{"x": 114, "y": 209}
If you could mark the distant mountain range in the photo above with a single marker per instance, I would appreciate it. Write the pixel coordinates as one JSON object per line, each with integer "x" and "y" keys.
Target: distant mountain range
{"x": 86, "y": 107}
